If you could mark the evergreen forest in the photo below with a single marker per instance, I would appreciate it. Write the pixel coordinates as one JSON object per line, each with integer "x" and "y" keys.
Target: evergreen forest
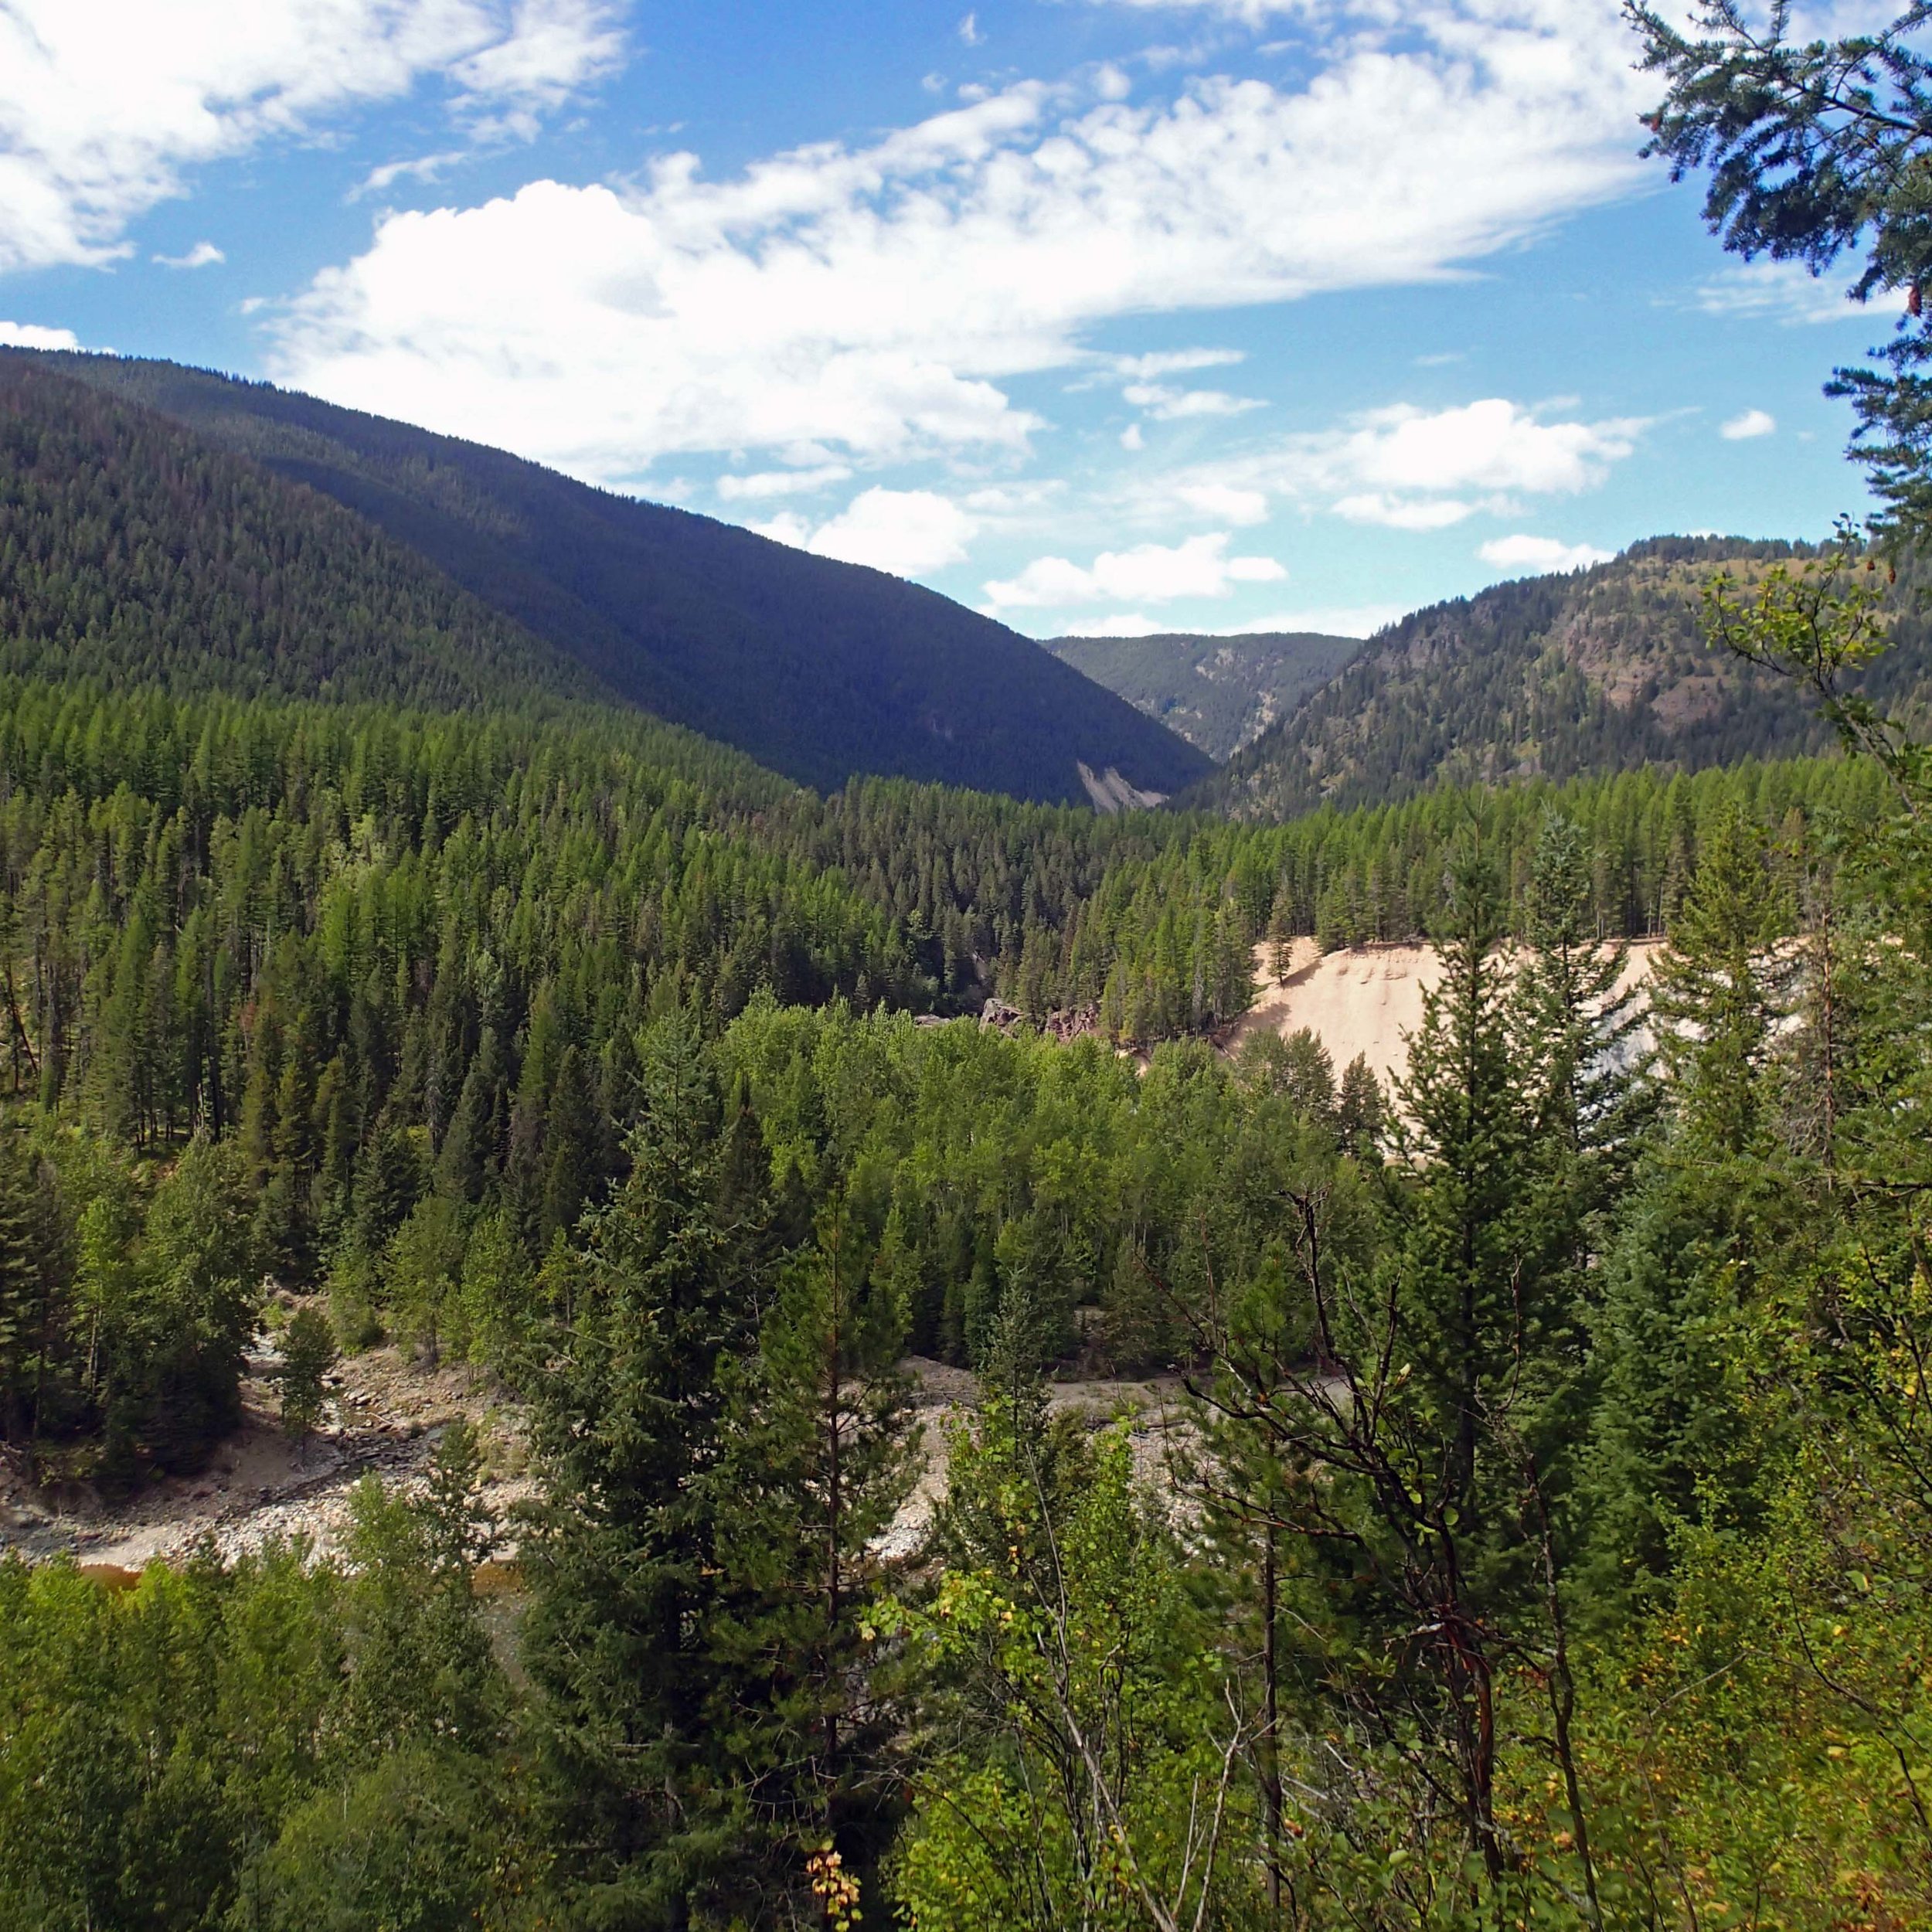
{"x": 1498, "y": 1496}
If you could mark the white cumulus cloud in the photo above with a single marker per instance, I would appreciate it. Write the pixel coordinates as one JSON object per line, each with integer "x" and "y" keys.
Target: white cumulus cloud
{"x": 1336, "y": 620}
{"x": 1123, "y": 623}
{"x": 105, "y": 104}
{"x": 1493, "y": 445}
{"x": 1750, "y": 423}
{"x": 1197, "y": 567}
{"x": 905, "y": 532}
{"x": 879, "y": 298}
{"x": 1532, "y": 555}
{"x": 33, "y": 335}
{"x": 1408, "y": 468}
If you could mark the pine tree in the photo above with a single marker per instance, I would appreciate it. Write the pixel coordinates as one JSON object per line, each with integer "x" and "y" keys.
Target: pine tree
{"x": 1578, "y": 1032}
{"x": 1721, "y": 987}
{"x": 814, "y": 1466}
{"x": 572, "y": 1142}
{"x": 1469, "y": 1317}
{"x": 25, "y": 1289}
{"x": 1141, "y": 1332}
{"x": 472, "y": 1148}
{"x": 1360, "y": 1109}
{"x": 1297, "y": 1067}
{"x": 628, "y": 1422}
{"x": 1676, "y": 1437}
{"x": 196, "y": 1309}
{"x": 392, "y": 1176}
{"x": 308, "y": 1353}
{"x": 422, "y": 1268}
{"x": 1464, "y": 1234}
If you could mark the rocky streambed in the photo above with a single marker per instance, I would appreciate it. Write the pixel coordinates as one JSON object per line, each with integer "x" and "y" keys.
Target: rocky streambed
{"x": 385, "y": 1416}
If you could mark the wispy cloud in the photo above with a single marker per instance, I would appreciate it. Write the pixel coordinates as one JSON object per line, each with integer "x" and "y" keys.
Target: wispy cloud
{"x": 379, "y": 181}
{"x": 1787, "y": 292}
{"x": 204, "y": 255}
{"x": 1405, "y": 468}
{"x": 763, "y": 485}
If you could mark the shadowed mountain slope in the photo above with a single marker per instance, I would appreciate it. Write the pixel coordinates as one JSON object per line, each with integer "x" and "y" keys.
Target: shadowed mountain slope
{"x": 818, "y": 669}
{"x": 1219, "y": 693}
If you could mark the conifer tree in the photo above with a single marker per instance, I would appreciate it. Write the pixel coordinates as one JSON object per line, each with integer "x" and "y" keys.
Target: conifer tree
{"x": 197, "y": 1308}
{"x": 1576, "y": 1033}
{"x": 25, "y": 1289}
{"x": 472, "y": 1146}
{"x": 308, "y": 1353}
{"x": 572, "y": 1145}
{"x": 391, "y": 1177}
{"x": 1578, "y": 1026}
{"x": 1465, "y": 1235}
{"x": 815, "y": 1465}
{"x": 1403, "y": 1395}
{"x": 1721, "y": 987}
{"x": 1297, "y": 1067}
{"x": 1360, "y": 1109}
{"x": 629, "y": 1422}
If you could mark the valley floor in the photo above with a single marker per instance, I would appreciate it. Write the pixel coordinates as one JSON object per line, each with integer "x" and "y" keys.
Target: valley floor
{"x": 385, "y": 1413}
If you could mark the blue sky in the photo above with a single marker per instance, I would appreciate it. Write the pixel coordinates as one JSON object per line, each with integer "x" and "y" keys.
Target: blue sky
{"x": 1097, "y": 315}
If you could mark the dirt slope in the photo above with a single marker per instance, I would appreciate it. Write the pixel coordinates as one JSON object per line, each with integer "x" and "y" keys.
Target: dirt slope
{"x": 1365, "y": 1000}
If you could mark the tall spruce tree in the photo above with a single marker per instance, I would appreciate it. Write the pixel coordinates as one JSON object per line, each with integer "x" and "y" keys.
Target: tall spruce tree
{"x": 1486, "y": 1314}
{"x": 629, "y": 1422}
{"x": 25, "y": 1289}
{"x": 1390, "y": 1405}
{"x": 816, "y": 1464}
{"x": 1579, "y": 1023}
{"x": 1721, "y": 987}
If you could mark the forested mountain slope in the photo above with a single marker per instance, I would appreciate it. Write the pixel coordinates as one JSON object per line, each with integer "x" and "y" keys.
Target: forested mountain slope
{"x": 818, "y": 669}
{"x": 132, "y": 552}
{"x": 1597, "y": 670}
{"x": 1219, "y": 693}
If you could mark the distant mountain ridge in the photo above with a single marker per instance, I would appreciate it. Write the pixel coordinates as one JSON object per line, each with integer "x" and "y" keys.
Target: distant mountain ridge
{"x": 817, "y": 669}
{"x": 1219, "y": 693}
{"x": 1594, "y": 671}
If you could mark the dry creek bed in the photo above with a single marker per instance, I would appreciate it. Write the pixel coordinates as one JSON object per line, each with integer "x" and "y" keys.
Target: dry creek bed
{"x": 385, "y": 1416}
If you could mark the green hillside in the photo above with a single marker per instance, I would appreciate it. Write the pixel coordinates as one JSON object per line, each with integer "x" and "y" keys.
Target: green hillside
{"x": 1219, "y": 693}
{"x": 816, "y": 668}
{"x": 1599, "y": 671}
{"x": 133, "y": 552}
